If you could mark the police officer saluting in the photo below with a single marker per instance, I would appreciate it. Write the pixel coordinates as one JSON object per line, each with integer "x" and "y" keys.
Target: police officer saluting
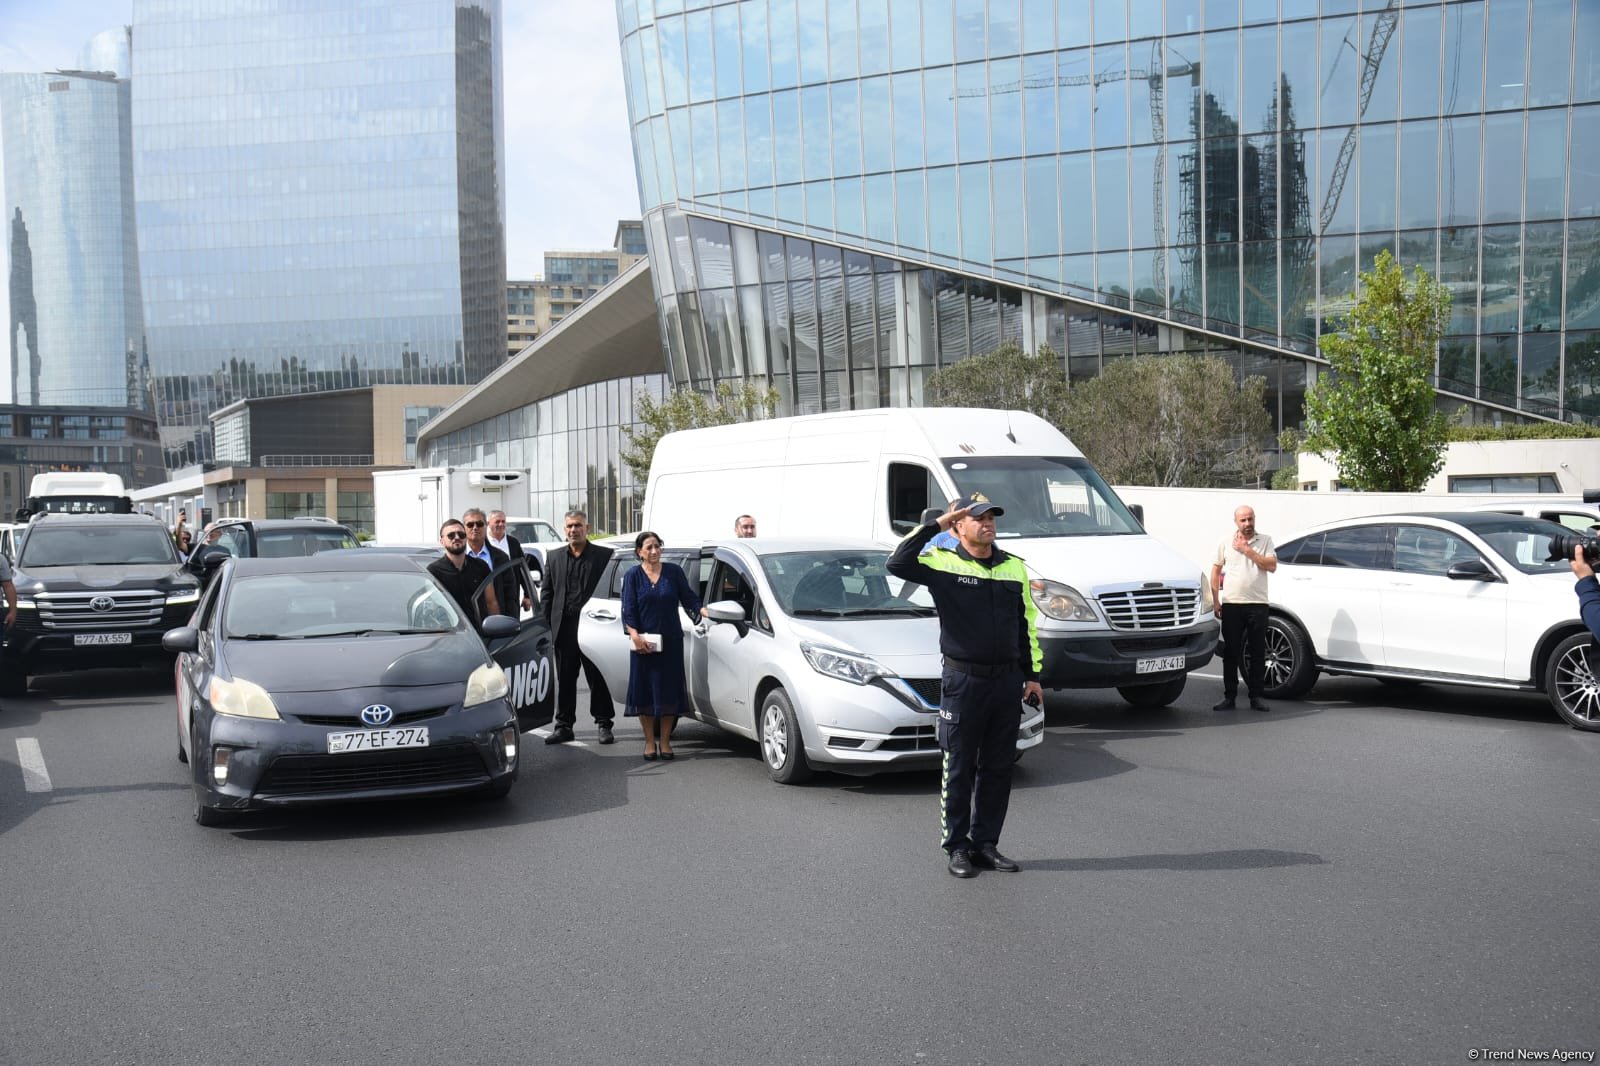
{"x": 991, "y": 662}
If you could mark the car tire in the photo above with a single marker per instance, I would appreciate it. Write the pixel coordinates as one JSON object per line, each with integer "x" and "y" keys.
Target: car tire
{"x": 1571, "y": 682}
{"x": 782, "y": 749}
{"x": 1160, "y": 694}
{"x": 1291, "y": 669}
{"x": 211, "y": 817}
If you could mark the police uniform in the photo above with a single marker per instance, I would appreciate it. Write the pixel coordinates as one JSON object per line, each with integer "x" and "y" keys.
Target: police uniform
{"x": 987, "y": 634}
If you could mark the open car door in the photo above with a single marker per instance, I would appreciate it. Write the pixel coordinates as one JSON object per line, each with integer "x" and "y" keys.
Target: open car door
{"x": 527, "y": 656}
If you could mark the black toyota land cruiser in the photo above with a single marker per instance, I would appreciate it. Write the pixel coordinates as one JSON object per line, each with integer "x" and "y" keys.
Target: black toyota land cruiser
{"x": 94, "y": 590}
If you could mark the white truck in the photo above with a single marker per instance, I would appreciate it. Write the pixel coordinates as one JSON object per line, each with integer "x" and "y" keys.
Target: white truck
{"x": 75, "y": 492}
{"x": 1117, "y": 609}
{"x": 1195, "y": 521}
{"x": 409, "y": 506}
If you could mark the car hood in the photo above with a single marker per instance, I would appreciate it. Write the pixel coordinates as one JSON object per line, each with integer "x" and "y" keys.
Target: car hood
{"x": 1090, "y": 564}
{"x": 398, "y": 661}
{"x": 908, "y": 646}
{"x": 107, "y": 575}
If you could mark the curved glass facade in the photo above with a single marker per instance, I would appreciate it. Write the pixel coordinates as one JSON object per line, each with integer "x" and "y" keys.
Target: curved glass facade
{"x": 1184, "y": 174}
{"x": 321, "y": 199}
{"x": 76, "y": 326}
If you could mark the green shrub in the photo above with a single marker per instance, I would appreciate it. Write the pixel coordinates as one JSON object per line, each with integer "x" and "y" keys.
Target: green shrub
{"x": 1533, "y": 431}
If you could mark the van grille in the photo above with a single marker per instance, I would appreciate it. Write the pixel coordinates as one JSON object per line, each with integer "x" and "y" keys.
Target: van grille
{"x": 1163, "y": 607}
{"x": 130, "y": 608}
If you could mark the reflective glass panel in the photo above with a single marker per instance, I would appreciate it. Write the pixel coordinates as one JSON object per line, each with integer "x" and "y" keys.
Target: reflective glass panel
{"x": 1458, "y": 172}
{"x": 1502, "y": 260}
{"x": 1502, "y": 179}
{"x": 1551, "y": 57}
{"x": 1506, "y": 70}
{"x": 1419, "y": 72}
{"x": 1583, "y": 279}
{"x": 1462, "y": 91}
{"x": 1583, "y": 170}
{"x": 1458, "y": 273}
{"x": 1541, "y": 269}
{"x": 1419, "y": 174}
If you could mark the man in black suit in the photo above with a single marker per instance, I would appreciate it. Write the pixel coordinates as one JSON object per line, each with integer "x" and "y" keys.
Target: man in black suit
{"x": 513, "y": 581}
{"x": 570, "y": 578}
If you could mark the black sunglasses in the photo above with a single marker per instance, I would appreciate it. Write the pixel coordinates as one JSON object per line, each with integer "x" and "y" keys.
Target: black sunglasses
{"x": 455, "y": 534}
{"x": 473, "y": 525}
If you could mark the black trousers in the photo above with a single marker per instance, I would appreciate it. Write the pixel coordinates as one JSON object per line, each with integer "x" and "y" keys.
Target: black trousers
{"x": 978, "y": 722}
{"x": 568, "y": 659}
{"x": 1244, "y": 630}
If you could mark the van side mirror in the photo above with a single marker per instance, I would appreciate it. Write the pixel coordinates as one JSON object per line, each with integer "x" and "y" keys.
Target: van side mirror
{"x": 730, "y": 613}
{"x": 499, "y": 625}
{"x": 1137, "y": 510}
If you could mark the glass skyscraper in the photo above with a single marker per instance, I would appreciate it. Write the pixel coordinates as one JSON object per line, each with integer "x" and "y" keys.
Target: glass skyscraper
{"x": 321, "y": 199}
{"x": 842, "y": 196}
{"x": 76, "y": 327}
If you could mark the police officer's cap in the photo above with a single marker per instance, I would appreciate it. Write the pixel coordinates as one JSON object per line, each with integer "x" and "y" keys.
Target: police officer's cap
{"x": 978, "y": 504}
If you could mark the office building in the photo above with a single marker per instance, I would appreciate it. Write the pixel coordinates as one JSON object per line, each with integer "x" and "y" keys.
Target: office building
{"x": 843, "y": 196}
{"x": 320, "y": 200}
{"x": 76, "y": 325}
{"x": 570, "y": 278}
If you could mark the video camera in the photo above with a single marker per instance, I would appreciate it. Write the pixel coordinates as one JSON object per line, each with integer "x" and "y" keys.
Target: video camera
{"x": 1564, "y": 547}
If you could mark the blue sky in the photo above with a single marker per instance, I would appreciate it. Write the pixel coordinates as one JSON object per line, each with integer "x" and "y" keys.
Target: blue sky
{"x": 569, "y": 163}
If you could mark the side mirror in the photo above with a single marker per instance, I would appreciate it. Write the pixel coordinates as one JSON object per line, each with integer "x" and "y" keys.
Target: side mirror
{"x": 725, "y": 611}
{"x": 184, "y": 638}
{"x": 500, "y": 625}
{"x": 1137, "y": 510}
{"x": 1470, "y": 570}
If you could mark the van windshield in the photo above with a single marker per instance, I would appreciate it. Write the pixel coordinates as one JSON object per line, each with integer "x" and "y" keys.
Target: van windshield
{"x": 1044, "y": 496}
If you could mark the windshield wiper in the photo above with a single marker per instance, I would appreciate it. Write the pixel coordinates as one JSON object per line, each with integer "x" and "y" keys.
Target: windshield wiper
{"x": 822, "y": 612}
{"x": 262, "y": 636}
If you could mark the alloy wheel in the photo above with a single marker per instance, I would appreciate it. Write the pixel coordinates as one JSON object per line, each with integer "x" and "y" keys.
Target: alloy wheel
{"x": 774, "y": 735}
{"x": 1576, "y": 685}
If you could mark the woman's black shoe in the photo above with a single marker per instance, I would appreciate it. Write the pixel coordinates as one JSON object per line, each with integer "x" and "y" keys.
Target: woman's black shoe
{"x": 650, "y": 756}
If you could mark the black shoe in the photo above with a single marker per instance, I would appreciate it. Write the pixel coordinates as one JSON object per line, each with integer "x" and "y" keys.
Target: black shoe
{"x": 561, "y": 734}
{"x": 961, "y": 864}
{"x": 605, "y": 734}
{"x": 989, "y": 858}
{"x": 1225, "y": 704}
{"x": 1257, "y": 705}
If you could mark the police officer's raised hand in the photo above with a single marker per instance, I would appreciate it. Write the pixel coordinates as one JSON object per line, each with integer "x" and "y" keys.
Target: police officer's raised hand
{"x": 950, "y": 518}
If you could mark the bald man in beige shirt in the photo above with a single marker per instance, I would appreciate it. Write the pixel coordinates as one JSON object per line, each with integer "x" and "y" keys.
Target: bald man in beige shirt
{"x": 1239, "y": 589}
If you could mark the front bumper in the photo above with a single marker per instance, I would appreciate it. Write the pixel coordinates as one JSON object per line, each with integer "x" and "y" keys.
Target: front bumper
{"x": 865, "y": 729}
{"x": 43, "y": 651}
{"x": 1105, "y": 659}
{"x": 286, "y": 764}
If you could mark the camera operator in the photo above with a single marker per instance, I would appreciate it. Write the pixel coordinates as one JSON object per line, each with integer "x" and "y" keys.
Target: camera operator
{"x": 1588, "y": 592}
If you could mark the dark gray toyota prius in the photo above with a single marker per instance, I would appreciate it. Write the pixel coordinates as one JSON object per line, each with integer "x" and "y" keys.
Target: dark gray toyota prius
{"x": 325, "y": 679}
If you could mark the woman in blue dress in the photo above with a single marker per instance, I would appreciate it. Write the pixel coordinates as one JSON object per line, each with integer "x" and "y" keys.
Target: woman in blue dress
{"x": 652, "y": 592}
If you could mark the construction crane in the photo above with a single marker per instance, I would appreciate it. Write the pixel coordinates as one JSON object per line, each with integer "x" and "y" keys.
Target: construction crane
{"x": 1377, "y": 45}
{"x": 1157, "y": 77}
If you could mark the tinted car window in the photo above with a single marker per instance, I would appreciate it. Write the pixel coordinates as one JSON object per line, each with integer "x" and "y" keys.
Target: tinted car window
{"x": 1302, "y": 551}
{"x": 1360, "y": 547}
{"x": 87, "y": 546}
{"x": 1426, "y": 550}
{"x": 313, "y": 605}
{"x": 727, "y": 583}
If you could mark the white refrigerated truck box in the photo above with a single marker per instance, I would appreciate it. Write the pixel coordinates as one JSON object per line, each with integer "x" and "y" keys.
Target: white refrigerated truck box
{"x": 409, "y": 506}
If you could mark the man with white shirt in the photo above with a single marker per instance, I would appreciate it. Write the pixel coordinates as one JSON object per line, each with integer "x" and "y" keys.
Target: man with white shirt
{"x": 499, "y": 538}
{"x": 1239, "y": 590}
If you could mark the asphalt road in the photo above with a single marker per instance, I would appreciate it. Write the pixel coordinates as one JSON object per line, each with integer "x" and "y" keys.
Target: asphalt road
{"x": 1336, "y": 881}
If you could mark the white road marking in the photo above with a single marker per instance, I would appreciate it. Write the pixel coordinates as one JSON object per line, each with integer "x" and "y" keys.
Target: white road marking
{"x": 35, "y": 778}
{"x": 544, "y": 731}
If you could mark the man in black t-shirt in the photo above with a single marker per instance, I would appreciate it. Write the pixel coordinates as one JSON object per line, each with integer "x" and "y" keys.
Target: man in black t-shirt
{"x": 460, "y": 574}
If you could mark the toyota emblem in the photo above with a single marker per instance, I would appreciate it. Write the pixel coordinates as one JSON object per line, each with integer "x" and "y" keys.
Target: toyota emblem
{"x": 377, "y": 714}
{"x": 102, "y": 604}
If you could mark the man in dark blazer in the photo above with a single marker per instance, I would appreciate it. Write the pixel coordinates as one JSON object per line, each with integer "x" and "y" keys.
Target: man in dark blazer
{"x": 478, "y": 547}
{"x": 512, "y": 585}
{"x": 570, "y": 578}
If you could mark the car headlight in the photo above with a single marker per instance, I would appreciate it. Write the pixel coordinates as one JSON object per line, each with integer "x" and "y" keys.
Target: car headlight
{"x": 1061, "y": 602}
{"x": 242, "y": 699}
{"x": 487, "y": 682}
{"x": 1206, "y": 603}
{"x": 178, "y": 599}
{"x": 844, "y": 665}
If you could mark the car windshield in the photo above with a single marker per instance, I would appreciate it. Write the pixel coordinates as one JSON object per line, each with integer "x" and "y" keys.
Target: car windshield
{"x": 274, "y": 606}
{"x": 1044, "y": 496}
{"x": 287, "y": 543}
{"x": 1523, "y": 542}
{"x": 87, "y": 546}
{"x": 841, "y": 584}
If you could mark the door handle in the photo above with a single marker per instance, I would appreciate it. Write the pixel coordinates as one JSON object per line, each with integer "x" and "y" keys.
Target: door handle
{"x": 601, "y": 616}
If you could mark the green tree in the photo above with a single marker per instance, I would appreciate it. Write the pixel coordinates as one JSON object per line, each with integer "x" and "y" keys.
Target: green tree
{"x": 1375, "y": 416}
{"x": 1171, "y": 420}
{"x": 684, "y": 408}
{"x": 1006, "y": 379}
